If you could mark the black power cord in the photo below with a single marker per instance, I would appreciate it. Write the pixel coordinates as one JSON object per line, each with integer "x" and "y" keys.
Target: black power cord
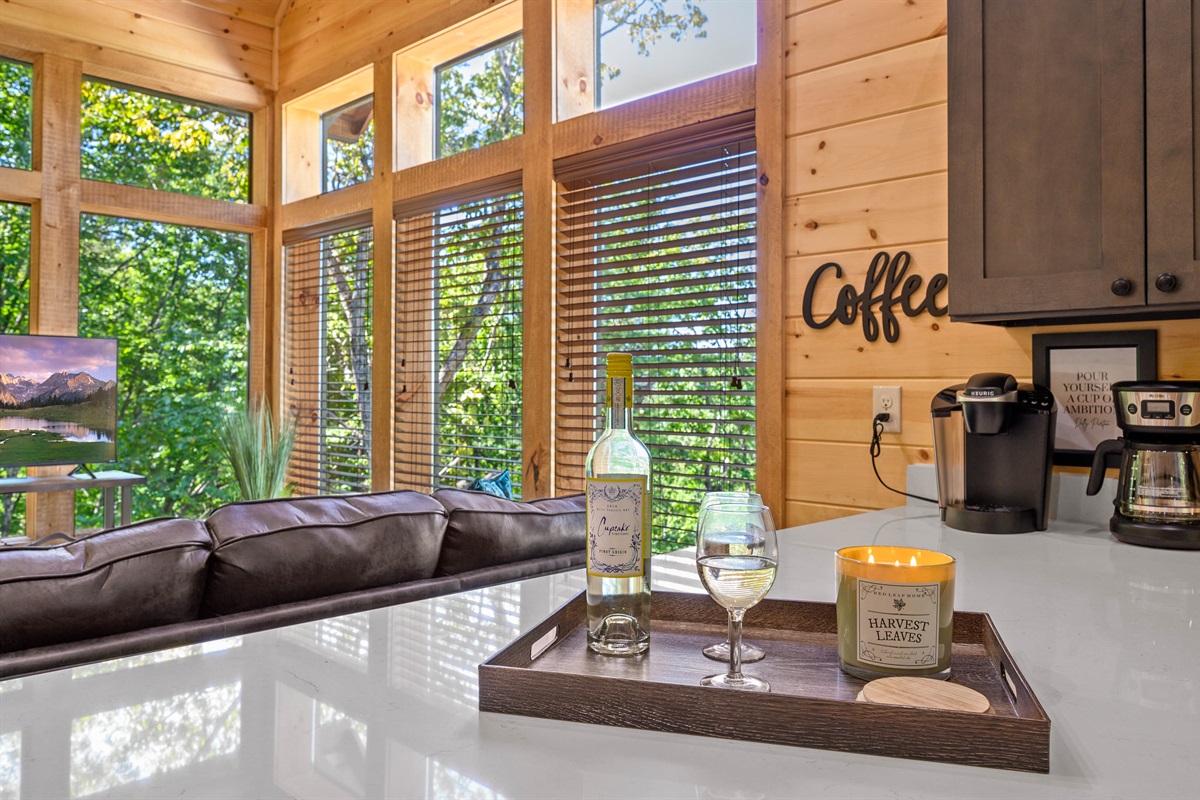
{"x": 876, "y": 447}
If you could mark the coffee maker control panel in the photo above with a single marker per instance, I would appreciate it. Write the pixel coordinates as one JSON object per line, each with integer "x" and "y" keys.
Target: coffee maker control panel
{"x": 1034, "y": 399}
{"x": 1160, "y": 407}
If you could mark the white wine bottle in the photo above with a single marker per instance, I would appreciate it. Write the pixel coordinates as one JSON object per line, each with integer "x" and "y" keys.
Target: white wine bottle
{"x": 618, "y": 524}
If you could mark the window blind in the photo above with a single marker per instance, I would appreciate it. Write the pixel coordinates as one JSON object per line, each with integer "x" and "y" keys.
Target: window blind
{"x": 327, "y": 360}
{"x": 458, "y": 343}
{"x": 657, "y": 258}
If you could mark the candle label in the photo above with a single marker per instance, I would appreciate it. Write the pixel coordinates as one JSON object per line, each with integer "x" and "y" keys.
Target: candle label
{"x": 898, "y": 624}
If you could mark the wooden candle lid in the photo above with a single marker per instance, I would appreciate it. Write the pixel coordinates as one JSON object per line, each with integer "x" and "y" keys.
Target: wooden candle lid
{"x": 924, "y": 693}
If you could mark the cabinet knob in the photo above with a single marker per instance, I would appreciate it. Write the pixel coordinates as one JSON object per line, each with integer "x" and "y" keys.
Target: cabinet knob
{"x": 1166, "y": 282}
{"x": 1122, "y": 286}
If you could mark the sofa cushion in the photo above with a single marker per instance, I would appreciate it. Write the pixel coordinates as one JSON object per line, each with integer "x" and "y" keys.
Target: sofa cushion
{"x": 484, "y": 530}
{"x": 137, "y": 576}
{"x": 270, "y": 552}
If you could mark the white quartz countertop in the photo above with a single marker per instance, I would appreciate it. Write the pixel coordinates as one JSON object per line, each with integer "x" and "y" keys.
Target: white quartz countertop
{"x": 383, "y": 703}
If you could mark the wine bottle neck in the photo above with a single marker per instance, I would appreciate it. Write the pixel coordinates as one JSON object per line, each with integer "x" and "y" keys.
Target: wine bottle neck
{"x": 619, "y": 405}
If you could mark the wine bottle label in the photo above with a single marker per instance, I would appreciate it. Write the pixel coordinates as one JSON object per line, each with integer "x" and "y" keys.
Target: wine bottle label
{"x": 616, "y": 516}
{"x": 898, "y": 624}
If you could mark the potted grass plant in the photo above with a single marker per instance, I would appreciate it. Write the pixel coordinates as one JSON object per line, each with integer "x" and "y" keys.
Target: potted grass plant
{"x": 258, "y": 450}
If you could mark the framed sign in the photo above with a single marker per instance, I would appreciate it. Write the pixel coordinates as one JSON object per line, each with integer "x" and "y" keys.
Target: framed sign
{"x": 1080, "y": 369}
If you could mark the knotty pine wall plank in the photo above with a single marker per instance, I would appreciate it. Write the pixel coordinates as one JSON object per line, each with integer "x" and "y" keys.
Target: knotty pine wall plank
{"x": 884, "y": 83}
{"x": 850, "y": 29}
{"x": 874, "y": 215}
{"x": 900, "y": 145}
{"x": 836, "y": 472}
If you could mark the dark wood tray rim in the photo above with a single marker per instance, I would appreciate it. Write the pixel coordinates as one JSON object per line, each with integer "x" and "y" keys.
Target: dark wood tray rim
{"x": 1017, "y": 740}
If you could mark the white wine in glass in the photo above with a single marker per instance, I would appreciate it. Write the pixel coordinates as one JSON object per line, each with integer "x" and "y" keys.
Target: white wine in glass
{"x": 737, "y": 580}
{"x": 719, "y": 651}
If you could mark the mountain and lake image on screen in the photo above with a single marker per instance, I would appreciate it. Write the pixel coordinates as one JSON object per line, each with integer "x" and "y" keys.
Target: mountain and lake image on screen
{"x": 58, "y": 400}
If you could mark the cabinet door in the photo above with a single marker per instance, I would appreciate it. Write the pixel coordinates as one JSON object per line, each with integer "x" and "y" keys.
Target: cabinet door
{"x": 1046, "y": 158}
{"x": 1172, "y": 151}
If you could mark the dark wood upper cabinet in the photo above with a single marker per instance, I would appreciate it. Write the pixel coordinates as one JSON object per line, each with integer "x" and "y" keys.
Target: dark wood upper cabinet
{"x": 1172, "y": 144}
{"x": 1073, "y": 174}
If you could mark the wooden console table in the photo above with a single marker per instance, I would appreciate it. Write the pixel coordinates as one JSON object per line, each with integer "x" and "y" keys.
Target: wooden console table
{"x": 108, "y": 481}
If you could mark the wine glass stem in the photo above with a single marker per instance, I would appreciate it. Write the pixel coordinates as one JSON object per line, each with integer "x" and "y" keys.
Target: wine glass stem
{"x": 735, "y": 643}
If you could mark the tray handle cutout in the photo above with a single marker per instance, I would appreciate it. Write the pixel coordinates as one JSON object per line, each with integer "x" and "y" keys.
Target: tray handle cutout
{"x": 1012, "y": 687}
{"x": 543, "y": 643}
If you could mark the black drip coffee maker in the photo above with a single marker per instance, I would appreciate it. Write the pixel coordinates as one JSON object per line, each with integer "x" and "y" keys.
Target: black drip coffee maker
{"x": 1158, "y": 488}
{"x": 993, "y": 444}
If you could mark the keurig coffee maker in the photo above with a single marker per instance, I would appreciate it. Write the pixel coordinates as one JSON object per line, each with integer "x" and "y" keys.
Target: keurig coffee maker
{"x": 1158, "y": 488}
{"x": 993, "y": 443}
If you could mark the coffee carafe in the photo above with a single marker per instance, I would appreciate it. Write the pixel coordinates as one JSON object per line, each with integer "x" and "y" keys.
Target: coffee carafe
{"x": 1158, "y": 487}
{"x": 993, "y": 444}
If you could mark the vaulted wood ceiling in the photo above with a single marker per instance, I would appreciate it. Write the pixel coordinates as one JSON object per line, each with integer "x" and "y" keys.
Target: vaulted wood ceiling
{"x": 260, "y": 12}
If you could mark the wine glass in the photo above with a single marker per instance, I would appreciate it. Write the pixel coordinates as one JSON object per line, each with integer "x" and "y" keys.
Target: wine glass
{"x": 737, "y": 576}
{"x": 719, "y": 651}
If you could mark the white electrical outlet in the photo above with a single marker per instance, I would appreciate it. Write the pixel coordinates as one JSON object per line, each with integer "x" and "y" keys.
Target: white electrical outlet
{"x": 887, "y": 401}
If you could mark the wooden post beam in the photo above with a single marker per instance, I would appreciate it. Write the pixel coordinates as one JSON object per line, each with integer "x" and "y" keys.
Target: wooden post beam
{"x": 537, "y": 376}
{"x": 769, "y": 360}
{"x": 54, "y": 244}
{"x": 384, "y": 273}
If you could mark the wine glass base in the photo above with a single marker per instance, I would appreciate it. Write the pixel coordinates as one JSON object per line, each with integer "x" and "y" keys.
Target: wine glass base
{"x": 745, "y": 683}
{"x": 720, "y": 652}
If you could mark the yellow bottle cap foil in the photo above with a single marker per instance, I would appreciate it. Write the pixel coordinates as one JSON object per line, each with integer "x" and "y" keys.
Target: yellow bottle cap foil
{"x": 619, "y": 365}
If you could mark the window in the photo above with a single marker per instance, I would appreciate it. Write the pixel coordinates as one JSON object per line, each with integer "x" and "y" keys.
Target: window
{"x": 657, "y": 258}
{"x": 14, "y": 268}
{"x": 14, "y": 318}
{"x": 458, "y": 352}
{"x": 16, "y": 114}
{"x": 481, "y": 97}
{"x": 329, "y": 137}
{"x": 327, "y": 360}
{"x": 648, "y": 46}
{"x": 348, "y": 149}
{"x": 157, "y": 142}
{"x": 177, "y": 300}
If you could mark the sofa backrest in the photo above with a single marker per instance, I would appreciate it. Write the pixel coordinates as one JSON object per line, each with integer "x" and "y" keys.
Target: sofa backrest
{"x": 484, "y": 530}
{"x": 269, "y": 552}
{"x": 116, "y": 581}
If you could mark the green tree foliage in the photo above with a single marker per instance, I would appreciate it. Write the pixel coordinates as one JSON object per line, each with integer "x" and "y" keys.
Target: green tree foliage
{"x": 176, "y": 299}
{"x": 478, "y": 286}
{"x": 16, "y": 114}
{"x": 646, "y": 22}
{"x": 345, "y": 433}
{"x": 14, "y": 318}
{"x": 478, "y": 283}
{"x": 155, "y": 142}
{"x": 482, "y": 100}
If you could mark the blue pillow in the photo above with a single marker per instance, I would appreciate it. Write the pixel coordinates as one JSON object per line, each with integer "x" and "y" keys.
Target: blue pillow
{"x": 498, "y": 485}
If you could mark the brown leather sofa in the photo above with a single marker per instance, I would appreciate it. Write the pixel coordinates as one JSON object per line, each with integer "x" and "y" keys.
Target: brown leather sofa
{"x": 263, "y": 564}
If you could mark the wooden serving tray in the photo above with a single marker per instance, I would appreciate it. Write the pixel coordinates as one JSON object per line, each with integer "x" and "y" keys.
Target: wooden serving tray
{"x": 550, "y": 672}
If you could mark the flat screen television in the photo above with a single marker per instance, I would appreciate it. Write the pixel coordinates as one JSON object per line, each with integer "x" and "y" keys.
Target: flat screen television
{"x": 58, "y": 400}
